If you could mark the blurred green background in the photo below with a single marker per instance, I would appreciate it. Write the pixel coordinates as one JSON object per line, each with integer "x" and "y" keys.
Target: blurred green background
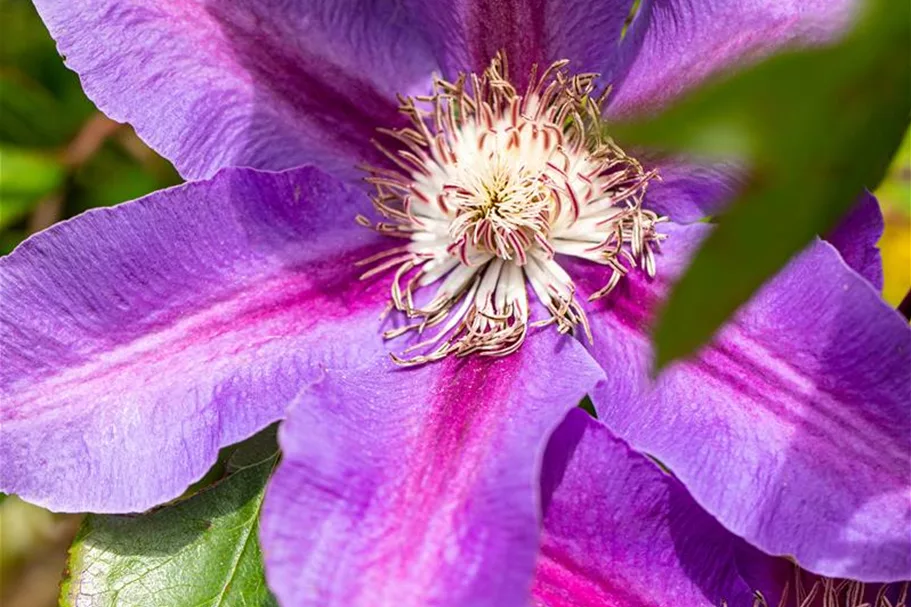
{"x": 59, "y": 156}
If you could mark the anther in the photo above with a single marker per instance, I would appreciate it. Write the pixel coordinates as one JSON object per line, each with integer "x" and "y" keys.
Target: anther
{"x": 489, "y": 185}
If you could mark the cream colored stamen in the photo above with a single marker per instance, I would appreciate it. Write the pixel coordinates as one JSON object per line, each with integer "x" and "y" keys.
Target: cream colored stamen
{"x": 828, "y": 592}
{"x": 490, "y": 186}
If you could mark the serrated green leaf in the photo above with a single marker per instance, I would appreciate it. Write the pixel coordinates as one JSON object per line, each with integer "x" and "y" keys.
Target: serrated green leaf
{"x": 818, "y": 126}
{"x": 253, "y": 451}
{"x": 201, "y": 552}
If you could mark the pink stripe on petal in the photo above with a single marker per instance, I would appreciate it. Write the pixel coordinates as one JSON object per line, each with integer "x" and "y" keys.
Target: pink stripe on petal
{"x": 792, "y": 427}
{"x": 619, "y": 531}
{"x": 140, "y": 339}
{"x": 271, "y": 85}
{"x": 418, "y": 487}
{"x": 468, "y": 33}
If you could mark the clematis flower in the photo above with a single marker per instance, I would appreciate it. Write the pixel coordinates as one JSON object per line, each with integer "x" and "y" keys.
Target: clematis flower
{"x": 424, "y": 336}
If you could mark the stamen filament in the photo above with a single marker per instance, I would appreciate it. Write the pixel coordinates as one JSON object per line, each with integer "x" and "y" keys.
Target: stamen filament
{"x": 488, "y": 186}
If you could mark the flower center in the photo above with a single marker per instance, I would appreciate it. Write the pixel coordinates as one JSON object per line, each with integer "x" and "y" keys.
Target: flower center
{"x": 490, "y": 186}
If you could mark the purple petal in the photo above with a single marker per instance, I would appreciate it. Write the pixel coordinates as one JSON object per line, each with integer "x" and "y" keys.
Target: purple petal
{"x": 419, "y": 487}
{"x": 688, "y": 190}
{"x": 139, "y": 339}
{"x": 793, "y": 427}
{"x": 619, "y": 531}
{"x": 679, "y": 43}
{"x": 857, "y": 238}
{"x": 783, "y": 584}
{"x": 270, "y": 85}
{"x": 468, "y": 33}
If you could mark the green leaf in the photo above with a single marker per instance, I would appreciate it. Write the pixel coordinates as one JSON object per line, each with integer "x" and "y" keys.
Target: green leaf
{"x": 894, "y": 189}
{"x": 26, "y": 172}
{"x": 816, "y": 127}
{"x": 25, "y": 43}
{"x": 256, "y": 449}
{"x": 588, "y": 406}
{"x": 30, "y": 115}
{"x": 200, "y": 552}
{"x": 26, "y": 176}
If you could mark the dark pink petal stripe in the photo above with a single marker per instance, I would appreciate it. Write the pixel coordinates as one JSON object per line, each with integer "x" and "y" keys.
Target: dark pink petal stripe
{"x": 467, "y": 34}
{"x": 792, "y": 427}
{"x": 140, "y": 339}
{"x": 272, "y": 85}
{"x": 419, "y": 487}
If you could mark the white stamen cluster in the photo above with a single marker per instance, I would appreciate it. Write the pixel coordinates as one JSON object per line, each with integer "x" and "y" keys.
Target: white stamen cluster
{"x": 490, "y": 186}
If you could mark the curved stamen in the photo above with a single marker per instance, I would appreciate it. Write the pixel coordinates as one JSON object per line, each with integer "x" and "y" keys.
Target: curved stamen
{"x": 807, "y": 590}
{"x": 490, "y": 184}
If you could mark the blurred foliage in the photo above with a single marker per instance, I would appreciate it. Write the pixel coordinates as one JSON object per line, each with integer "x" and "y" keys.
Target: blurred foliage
{"x": 895, "y": 198}
{"x": 33, "y": 544}
{"x": 893, "y": 191}
{"x": 816, "y": 127}
{"x": 26, "y": 175}
{"x": 58, "y": 155}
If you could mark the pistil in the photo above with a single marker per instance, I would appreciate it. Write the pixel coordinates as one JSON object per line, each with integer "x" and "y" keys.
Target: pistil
{"x": 489, "y": 186}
